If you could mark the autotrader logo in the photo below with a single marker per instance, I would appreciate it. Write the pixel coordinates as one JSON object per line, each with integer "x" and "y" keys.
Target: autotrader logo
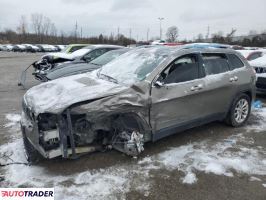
{"x": 27, "y": 193}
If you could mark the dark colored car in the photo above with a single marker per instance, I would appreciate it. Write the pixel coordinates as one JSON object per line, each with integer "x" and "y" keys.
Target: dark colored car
{"x": 144, "y": 95}
{"x": 72, "y": 69}
{"x": 84, "y": 55}
{"x": 19, "y": 48}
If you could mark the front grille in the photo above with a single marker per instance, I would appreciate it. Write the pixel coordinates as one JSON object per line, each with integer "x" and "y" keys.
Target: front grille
{"x": 260, "y": 70}
{"x": 261, "y": 83}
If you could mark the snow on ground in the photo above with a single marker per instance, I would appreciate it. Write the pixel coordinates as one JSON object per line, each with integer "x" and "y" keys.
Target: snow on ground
{"x": 227, "y": 157}
{"x": 260, "y": 125}
{"x": 14, "y": 120}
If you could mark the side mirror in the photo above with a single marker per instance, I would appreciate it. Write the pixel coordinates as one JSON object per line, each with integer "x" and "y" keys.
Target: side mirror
{"x": 158, "y": 84}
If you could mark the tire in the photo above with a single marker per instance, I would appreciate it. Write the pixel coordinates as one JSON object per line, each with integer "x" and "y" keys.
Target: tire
{"x": 32, "y": 155}
{"x": 239, "y": 111}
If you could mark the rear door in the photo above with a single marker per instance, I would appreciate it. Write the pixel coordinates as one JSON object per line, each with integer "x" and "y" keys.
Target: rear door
{"x": 240, "y": 76}
{"x": 218, "y": 83}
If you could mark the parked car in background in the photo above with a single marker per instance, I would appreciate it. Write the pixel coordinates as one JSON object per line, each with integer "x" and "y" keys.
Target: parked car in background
{"x": 60, "y": 47}
{"x": 206, "y": 45}
{"x": 144, "y": 95}
{"x": 46, "y": 48}
{"x": 259, "y": 65}
{"x": 19, "y": 48}
{"x": 252, "y": 54}
{"x": 158, "y": 42}
{"x": 32, "y": 48}
{"x": 8, "y": 47}
{"x": 83, "y": 55}
{"x": 79, "y": 68}
{"x": 73, "y": 47}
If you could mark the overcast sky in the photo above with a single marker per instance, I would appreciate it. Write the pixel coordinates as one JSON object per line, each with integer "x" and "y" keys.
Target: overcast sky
{"x": 105, "y": 16}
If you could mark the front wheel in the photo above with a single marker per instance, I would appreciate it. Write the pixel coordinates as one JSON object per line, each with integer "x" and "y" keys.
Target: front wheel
{"x": 239, "y": 111}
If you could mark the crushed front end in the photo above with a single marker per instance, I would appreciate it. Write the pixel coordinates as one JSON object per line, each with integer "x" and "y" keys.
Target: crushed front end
{"x": 71, "y": 133}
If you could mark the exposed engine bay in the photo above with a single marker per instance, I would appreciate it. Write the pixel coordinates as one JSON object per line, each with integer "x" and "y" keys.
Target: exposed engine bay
{"x": 70, "y": 134}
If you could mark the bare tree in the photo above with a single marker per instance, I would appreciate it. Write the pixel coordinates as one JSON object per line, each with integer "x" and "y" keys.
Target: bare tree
{"x": 53, "y": 30}
{"x": 46, "y": 26}
{"x": 23, "y": 26}
{"x": 252, "y": 32}
{"x": 172, "y": 34}
{"x": 200, "y": 38}
{"x": 37, "y": 21}
{"x": 230, "y": 35}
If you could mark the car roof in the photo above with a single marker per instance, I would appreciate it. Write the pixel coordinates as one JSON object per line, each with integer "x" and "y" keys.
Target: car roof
{"x": 72, "y": 45}
{"x": 175, "y": 50}
{"x": 95, "y": 46}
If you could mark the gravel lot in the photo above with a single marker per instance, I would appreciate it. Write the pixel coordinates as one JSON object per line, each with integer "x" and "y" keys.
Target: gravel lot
{"x": 210, "y": 162}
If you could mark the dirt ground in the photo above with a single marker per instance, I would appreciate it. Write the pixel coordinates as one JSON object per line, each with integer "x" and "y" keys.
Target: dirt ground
{"x": 210, "y": 162}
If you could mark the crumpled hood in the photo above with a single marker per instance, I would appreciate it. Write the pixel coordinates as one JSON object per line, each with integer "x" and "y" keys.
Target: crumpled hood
{"x": 55, "y": 96}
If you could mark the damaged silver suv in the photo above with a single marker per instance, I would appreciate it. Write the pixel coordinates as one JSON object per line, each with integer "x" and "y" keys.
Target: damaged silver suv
{"x": 144, "y": 95}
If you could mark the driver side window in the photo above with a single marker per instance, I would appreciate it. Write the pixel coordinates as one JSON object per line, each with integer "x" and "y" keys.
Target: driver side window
{"x": 185, "y": 68}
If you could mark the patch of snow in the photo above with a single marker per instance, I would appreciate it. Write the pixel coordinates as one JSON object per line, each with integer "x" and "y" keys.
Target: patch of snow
{"x": 253, "y": 178}
{"x": 264, "y": 185}
{"x": 226, "y": 157}
{"x": 260, "y": 125}
{"x": 221, "y": 158}
{"x": 134, "y": 65}
{"x": 190, "y": 178}
{"x": 113, "y": 182}
{"x": 14, "y": 122}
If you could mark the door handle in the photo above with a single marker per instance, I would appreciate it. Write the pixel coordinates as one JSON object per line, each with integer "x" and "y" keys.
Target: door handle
{"x": 233, "y": 79}
{"x": 196, "y": 87}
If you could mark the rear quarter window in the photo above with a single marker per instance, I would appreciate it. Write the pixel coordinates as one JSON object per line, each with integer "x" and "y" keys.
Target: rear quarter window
{"x": 234, "y": 61}
{"x": 215, "y": 63}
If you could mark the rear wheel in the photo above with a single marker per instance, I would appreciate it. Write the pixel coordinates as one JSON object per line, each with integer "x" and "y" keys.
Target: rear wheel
{"x": 239, "y": 111}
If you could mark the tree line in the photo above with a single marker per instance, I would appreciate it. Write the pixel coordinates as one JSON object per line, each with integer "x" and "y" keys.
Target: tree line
{"x": 252, "y": 40}
{"x": 44, "y": 31}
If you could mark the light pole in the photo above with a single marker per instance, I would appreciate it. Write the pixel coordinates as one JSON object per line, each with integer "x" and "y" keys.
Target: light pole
{"x": 161, "y": 19}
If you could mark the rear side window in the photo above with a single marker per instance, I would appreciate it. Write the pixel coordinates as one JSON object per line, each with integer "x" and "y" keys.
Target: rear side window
{"x": 234, "y": 61}
{"x": 215, "y": 63}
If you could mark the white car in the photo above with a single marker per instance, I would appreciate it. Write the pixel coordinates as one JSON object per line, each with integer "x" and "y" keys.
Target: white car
{"x": 259, "y": 65}
{"x": 252, "y": 54}
{"x": 158, "y": 42}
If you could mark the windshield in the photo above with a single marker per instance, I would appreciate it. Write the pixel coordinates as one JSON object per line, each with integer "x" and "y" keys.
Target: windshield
{"x": 108, "y": 57}
{"x": 133, "y": 66}
{"x": 80, "y": 52}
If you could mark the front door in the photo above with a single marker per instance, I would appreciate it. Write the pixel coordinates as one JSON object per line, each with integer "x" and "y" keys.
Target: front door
{"x": 178, "y": 96}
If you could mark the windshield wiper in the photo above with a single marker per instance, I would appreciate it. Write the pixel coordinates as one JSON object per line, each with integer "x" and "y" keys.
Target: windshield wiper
{"x": 109, "y": 78}
{"x": 95, "y": 64}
